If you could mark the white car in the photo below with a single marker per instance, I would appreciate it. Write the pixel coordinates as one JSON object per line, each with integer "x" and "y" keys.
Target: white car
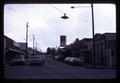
{"x": 67, "y": 59}
{"x": 74, "y": 61}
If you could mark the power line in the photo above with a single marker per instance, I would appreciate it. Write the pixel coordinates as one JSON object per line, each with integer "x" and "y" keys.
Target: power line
{"x": 56, "y": 8}
{"x": 108, "y": 20}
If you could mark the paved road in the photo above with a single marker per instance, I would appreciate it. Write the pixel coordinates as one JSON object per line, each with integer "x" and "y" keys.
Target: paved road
{"x": 54, "y": 69}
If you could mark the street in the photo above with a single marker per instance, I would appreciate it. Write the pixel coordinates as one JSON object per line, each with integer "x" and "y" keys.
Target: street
{"x": 54, "y": 69}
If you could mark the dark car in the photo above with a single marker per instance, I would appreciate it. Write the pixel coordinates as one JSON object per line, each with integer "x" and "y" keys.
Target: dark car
{"x": 36, "y": 60}
{"x": 17, "y": 62}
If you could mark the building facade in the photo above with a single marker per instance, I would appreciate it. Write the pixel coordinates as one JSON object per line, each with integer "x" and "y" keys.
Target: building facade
{"x": 85, "y": 50}
{"x": 105, "y": 49}
{"x": 80, "y": 48}
{"x": 11, "y": 50}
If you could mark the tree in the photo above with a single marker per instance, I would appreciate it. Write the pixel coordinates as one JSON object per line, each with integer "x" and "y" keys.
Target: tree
{"x": 76, "y": 41}
{"x": 48, "y": 50}
{"x": 68, "y": 53}
{"x": 53, "y": 51}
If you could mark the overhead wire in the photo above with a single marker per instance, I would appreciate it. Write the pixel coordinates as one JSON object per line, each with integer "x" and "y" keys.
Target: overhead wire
{"x": 56, "y": 8}
{"x": 108, "y": 20}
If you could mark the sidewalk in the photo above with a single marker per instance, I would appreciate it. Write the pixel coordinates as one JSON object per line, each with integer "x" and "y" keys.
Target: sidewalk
{"x": 99, "y": 67}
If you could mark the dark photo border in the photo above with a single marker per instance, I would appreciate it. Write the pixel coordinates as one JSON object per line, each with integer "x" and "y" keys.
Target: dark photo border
{"x": 3, "y": 2}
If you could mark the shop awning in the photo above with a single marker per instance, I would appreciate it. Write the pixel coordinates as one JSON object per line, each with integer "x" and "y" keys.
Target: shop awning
{"x": 14, "y": 50}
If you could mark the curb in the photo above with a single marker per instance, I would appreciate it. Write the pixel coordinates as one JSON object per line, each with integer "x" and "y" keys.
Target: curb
{"x": 100, "y": 67}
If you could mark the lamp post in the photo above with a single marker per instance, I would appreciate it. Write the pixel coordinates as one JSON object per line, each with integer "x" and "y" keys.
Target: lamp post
{"x": 93, "y": 44}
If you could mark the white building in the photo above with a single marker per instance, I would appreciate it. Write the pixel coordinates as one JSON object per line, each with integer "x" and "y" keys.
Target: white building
{"x": 62, "y": 41}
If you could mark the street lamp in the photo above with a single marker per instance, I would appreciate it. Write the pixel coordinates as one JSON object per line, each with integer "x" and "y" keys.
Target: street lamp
{"x": 64, "y": 17}
{"x": 93, "y": 44}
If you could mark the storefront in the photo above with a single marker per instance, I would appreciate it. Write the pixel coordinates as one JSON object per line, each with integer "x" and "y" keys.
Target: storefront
{"x": 12, "y": 54}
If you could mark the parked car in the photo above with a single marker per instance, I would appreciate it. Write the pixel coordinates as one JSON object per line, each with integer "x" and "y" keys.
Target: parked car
{"x": 17, "y": 61}
{"x": 74, "y": 61}
{"x": 36, "y": 60}
{"x": 56, "y": 57}
{"x": 67, "y": 59}
{"x": 59, "y": 58}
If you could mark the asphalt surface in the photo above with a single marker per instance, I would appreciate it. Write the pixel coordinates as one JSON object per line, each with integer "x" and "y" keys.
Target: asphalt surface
{"x": 54, "y": 69}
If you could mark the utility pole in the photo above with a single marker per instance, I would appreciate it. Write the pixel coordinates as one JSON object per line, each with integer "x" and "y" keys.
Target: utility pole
{"x": 36, "y": 45}
{"x": 33, "y": 44}
{"x": 26, "y": 39}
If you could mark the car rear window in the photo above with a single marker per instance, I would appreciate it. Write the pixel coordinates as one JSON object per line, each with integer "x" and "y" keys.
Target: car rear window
{"x": 35, "y": 58}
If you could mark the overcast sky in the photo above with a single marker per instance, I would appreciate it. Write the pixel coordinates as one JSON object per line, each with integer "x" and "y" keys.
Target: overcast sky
{"x": 46, "y": 24}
